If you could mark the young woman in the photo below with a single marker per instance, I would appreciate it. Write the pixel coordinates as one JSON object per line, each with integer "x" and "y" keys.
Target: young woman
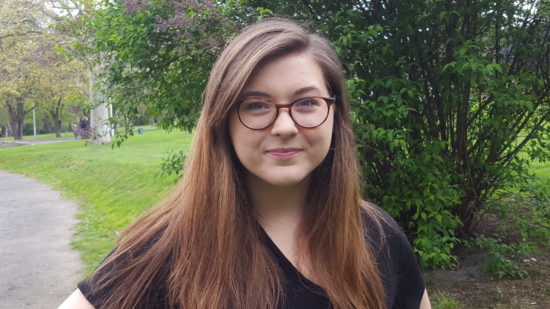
{"x": 268, "y": 213}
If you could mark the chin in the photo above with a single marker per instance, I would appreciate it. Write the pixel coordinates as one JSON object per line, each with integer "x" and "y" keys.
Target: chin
{"x": 284, "y": 181}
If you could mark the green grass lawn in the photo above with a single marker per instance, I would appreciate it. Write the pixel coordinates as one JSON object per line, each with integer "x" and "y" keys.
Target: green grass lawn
{"x": 113, "y": 185}
{"x": 541, "y": 170}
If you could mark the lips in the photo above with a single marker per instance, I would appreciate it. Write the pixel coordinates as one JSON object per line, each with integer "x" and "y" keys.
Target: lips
{"x": 284, "y": 153}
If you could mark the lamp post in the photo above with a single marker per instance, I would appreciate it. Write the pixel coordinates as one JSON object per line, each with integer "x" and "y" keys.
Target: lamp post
{"x": 33, "y": 121}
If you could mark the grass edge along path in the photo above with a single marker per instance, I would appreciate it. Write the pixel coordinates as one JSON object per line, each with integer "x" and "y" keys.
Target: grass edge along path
{"x": 112, "y": 185}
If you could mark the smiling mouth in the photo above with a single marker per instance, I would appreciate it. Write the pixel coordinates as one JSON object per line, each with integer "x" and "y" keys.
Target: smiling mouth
{"x": 283, "y": 153}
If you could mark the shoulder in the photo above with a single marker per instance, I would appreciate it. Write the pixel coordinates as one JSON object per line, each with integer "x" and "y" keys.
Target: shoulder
{"x": 122, "y": 271}
{"x": 76, "y": 301}
{"x": 88, "y": 288}
{"x": 381, "y": 230}
{"x": 396, "y": 261}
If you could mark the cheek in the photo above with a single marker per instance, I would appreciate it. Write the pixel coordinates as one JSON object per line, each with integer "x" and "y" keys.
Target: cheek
{"x": 328, "y": 131}
{"x": 242, "y": 139}
{"x": 233, "y": 128}
{"x": 321, "y": 141}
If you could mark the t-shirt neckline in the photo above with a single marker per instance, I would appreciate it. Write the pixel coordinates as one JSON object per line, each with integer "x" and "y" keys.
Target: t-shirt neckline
{"x": 287, "y": 266}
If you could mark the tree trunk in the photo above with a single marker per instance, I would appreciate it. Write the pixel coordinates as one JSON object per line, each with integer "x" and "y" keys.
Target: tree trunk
{"x": 17, "y": 127}
{"x": 46, "y": 124}
{"x": 17, "y": 118}
{"x": 56, "y": 115}
{"x": 101, "y": 131}
{"x": 100, "y": 128}
{"x": 58, "y": 129}
{"x": 8, "y": 130}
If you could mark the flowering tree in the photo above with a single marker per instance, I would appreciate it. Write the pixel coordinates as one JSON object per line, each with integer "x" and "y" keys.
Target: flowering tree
{"x": 156, "y": 56}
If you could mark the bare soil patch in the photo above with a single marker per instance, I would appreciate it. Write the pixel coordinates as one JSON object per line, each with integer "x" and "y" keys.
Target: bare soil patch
{"x": 471, "y": 285}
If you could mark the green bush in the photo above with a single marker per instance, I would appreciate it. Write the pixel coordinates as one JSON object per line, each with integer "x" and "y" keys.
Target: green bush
{"x": 442, "y": 108}
{"x": 172, "y": 164}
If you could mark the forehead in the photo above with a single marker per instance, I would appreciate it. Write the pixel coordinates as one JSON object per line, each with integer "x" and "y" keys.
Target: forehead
{"x": 286, "y": 76}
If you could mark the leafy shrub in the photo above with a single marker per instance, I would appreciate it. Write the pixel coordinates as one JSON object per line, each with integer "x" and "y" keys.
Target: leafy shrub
{"x": 172, "y": 164}
{"x": 440, "y": 112}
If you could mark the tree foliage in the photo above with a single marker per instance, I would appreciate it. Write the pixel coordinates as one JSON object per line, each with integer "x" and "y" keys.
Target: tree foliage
{"x": 20, "y": 26}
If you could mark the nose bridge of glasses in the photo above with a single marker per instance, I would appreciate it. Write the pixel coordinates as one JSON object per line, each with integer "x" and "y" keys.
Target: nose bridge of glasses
{"x": 283, "y": 123}
{"x": 285, "y": 110}
{"x": 287, "y": 106}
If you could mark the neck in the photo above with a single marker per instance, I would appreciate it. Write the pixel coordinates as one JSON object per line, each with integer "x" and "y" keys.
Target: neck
{"x": 279, "y": 210}
{"x": 277, "y": 207}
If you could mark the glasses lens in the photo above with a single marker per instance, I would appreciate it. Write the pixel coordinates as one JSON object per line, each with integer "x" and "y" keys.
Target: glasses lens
{"x": 310, "y": 112}
{"x": 257, "y": 114}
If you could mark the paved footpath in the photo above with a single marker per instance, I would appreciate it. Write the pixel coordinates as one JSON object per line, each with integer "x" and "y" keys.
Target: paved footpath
{"x": 38, "y": 268}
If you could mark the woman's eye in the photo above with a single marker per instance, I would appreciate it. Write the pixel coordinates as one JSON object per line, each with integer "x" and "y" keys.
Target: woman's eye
{"x": 256, "y": 106}
{"x": 307, "y": 103}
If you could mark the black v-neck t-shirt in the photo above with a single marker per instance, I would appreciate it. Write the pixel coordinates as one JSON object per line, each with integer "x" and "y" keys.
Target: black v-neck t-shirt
{"x": 300, "y": 292}
{"x": 400, "y": 274}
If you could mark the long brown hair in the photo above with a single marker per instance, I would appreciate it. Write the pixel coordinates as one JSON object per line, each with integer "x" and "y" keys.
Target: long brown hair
{"x": 202, "y": 244}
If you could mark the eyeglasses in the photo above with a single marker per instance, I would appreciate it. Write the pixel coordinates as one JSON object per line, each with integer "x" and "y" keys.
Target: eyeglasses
{"x": 260, "y": 113}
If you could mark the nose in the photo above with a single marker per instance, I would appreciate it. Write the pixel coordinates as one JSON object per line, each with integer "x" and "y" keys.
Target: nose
{"x": 284, "y": 125}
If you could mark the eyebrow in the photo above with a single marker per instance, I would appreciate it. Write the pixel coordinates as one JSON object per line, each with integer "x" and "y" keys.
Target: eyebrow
{"x": 266, "y": 95}
{"x": 305, "y": 89}
{"x": 254, "y": 94}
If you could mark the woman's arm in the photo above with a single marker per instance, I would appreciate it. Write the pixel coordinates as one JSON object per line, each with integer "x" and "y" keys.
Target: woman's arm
{"x": 425, "y": 302}
{"x": 76, "y": 301}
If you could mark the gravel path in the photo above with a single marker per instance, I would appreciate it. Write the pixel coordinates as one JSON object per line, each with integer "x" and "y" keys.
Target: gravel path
{"x": 38, "y": 267}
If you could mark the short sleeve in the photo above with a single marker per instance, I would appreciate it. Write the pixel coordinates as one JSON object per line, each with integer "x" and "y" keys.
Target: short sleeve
{"x": 95, "y": 296}
{"x": 101, "y": 285}
{"x": 85, "y": 288}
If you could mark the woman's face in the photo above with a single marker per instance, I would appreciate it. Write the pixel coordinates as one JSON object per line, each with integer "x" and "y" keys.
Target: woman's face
{"x": 283, "y": 154}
